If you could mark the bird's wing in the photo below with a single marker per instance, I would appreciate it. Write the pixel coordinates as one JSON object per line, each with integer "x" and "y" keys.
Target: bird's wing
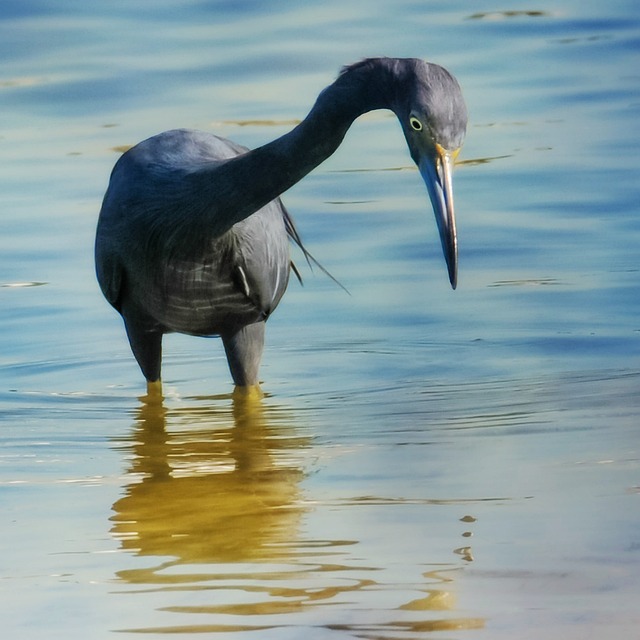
{"x": 261, "y": 257}
{"x": 111, "y": 278}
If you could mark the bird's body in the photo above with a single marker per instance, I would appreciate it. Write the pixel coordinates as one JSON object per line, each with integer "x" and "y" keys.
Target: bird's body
{"x": 215, "y": 283}
{"x": 193, "y": 238}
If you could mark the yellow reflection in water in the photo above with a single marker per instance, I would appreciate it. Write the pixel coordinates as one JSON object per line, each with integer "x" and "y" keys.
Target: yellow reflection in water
{"x": 214, "y": 496}
{"x": 220, "y": 486}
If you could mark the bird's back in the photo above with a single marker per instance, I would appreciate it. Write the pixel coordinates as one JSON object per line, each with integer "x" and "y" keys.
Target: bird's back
{"x": 162, "y": 245}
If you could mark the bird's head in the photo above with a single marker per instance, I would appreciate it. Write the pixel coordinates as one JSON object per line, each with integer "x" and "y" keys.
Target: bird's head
{"x": 433, "y": 115}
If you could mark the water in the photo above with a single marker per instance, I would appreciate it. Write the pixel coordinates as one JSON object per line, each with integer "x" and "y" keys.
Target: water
{"x": 426, "y": 463}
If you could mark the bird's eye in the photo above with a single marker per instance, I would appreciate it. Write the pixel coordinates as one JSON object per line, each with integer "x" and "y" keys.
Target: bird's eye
{"x": 416, "y": 125}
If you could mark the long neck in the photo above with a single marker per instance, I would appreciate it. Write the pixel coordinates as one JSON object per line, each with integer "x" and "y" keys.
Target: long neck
{"x": 246, "y": 183}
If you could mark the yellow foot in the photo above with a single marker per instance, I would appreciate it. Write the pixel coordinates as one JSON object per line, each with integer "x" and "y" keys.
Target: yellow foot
{"x": 247, "y": 405}
{"x": 154, "y": 393}
{"x": 250, "y": 393}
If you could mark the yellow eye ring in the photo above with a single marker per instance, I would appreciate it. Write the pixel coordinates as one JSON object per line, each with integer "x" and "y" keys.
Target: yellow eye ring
{"x": 416, "y": 125}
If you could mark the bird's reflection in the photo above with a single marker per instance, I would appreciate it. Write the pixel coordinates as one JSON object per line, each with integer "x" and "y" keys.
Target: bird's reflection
{"x": 216, "y": 481}
{"x": 214, "y": 496}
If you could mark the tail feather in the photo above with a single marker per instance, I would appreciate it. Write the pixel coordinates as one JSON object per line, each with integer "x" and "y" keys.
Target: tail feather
{"x": 292, "y": 231}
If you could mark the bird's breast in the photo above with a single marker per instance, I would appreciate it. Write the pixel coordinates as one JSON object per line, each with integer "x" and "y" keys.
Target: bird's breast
{"x": 233, "y": 285}
{"x": 202, "y": 299}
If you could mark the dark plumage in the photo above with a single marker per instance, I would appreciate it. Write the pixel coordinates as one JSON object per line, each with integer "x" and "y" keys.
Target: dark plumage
{"x": 193, "y": 237}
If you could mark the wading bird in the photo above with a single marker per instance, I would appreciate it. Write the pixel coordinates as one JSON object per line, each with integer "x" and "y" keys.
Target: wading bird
{"x": 193, "y": 237}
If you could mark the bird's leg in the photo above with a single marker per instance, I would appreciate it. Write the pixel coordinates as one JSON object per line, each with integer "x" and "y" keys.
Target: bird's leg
{"x": 146, "y": 344}
{"x": 244, "y": 352}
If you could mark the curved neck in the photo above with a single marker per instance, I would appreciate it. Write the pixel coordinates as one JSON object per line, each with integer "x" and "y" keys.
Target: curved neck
{"x": 248, "y": 182}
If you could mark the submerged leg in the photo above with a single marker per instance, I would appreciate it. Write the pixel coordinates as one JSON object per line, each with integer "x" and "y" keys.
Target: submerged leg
{"x": 244, "y": 353}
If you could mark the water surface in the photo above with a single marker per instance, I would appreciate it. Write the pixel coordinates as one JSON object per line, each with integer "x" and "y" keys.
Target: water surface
{"x": 426, "y": 463}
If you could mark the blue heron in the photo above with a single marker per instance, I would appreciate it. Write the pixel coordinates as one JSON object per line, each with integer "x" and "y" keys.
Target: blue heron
{"x": 193, "y": 237}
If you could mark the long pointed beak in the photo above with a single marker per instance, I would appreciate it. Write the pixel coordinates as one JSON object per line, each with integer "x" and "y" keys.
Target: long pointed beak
{"x": 436, "y": 172}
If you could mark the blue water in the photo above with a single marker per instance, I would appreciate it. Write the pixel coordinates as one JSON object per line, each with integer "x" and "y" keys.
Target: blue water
{"x": 426, "y": 463}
